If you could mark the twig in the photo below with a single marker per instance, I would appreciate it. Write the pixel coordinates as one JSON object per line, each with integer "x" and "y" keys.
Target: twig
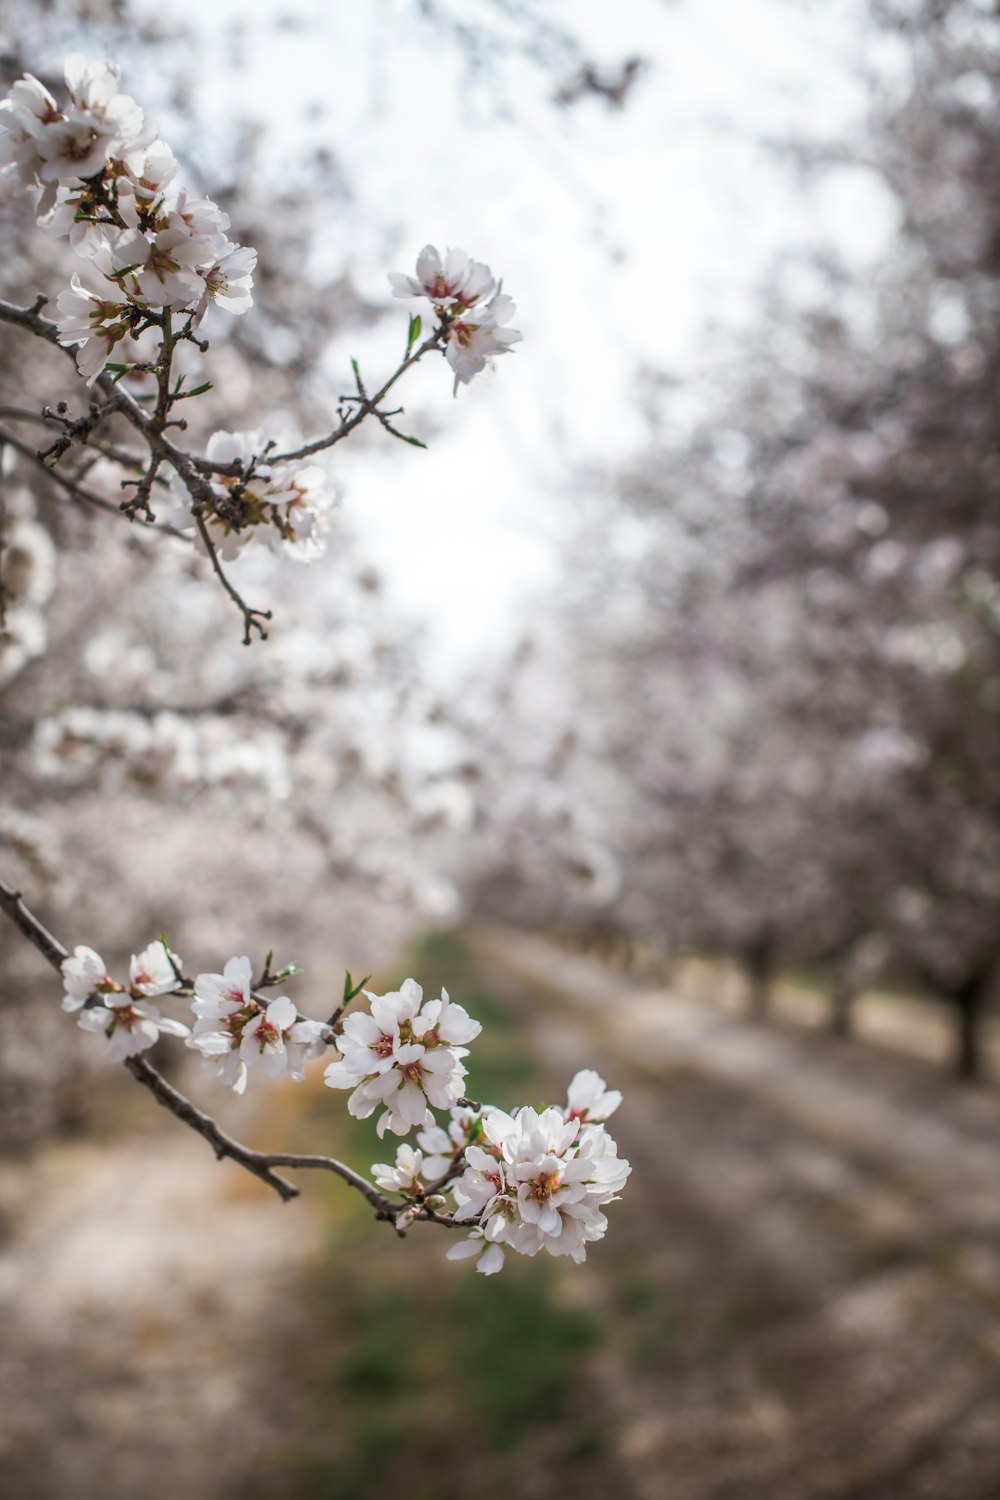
{"x": 367, "y": 406}
{"x": 86, "y": 497}
{"x": 251, "y": 617}
{"x": 193, "y": 472}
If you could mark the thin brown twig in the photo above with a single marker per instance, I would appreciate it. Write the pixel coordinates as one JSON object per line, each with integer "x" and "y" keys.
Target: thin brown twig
{"x": 251, "y": 617}
{"x": 367, "y": 406}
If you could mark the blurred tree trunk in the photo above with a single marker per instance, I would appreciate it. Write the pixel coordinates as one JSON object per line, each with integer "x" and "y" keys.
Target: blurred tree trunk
{"x": 758, "y": 961}
{"x": 842, "y": 996}
{"x": 969, "y": 999}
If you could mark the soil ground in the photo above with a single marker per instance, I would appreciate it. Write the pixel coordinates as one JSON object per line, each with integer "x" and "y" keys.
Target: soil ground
{"x": 798, "y": 1299}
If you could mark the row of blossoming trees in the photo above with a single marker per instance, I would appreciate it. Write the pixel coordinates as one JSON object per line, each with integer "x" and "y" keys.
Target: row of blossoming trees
{"x": 776, "y": 730}
{"x": 155, "y": 267}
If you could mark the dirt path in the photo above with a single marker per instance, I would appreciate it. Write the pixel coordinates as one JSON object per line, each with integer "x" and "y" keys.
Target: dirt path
{"x": 806, "y": 1285}
{"x": 140, "y": 1284}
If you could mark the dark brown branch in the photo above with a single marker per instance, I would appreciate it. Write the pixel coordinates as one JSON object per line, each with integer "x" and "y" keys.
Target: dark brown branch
{"x": 49, "y": 947}
{"x": 76, "y": 491}
{"x": 259, "y": 1163}
{"x": 222, "y": 1144}
{"x": 251, "y": 617}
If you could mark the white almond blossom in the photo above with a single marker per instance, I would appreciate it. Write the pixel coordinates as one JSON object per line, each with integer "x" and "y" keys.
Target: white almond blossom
{"x": 475, "y": 330}
{"x": 94, "y": 317}
{"x": 227, "y": 280}
{"x": 26, "y": 112}
{"x": 491, "y": 1256}
{"x": 76, "y": 146}
{"x": 455, "y": 281}
{"x": 531, "y": 1181}
{"x": 589, "y": 1098}
{"x": 405, "y": 1176}
{"x": 474, "y": 339}
{"x": 305, "y": 1040}
{"x": 149, "y": 172}
{"x": 163, "y": 268}
{"x": 219, "y": 995}
{"x": 84, "y": 974}
{"x": 263, "y": 1036}
{"x": 100, "y": 124}
{"x": 202, "y": 216}
{"x": 288, "y": 505}
{"x": 130, "y": 1025}
{"x": 302, "y": 506}
{"x": 154, "y": 971}
{"x": 441, "y": 1146}
{"x": 105, "y": 181}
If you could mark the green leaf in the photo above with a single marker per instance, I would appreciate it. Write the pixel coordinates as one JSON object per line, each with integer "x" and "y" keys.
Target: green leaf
{"x": 352, "y": 990}
{"x": 413, "y": 333}
{"x": 414, "y": 441}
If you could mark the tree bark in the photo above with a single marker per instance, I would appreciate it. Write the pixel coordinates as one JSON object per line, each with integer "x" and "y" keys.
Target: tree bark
{"x": 842, "y": 996}
{"x": 758, "y": 960}
{"x": 969, "y": 1000}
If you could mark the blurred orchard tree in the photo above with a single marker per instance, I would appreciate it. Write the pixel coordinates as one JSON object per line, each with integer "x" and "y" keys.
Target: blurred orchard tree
{"x": 777, "y": 724}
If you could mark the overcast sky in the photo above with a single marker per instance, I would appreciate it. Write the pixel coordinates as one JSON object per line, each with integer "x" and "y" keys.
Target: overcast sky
{"x": 621, "y": 235}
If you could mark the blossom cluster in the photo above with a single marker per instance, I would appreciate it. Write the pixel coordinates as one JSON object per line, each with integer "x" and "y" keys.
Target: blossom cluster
{"x": 164, "y": 750}
{"x": 403, "y": 1054}
{"x": 472, "y": 308}
{"x": 234, "y": 1030}
{"x": 524, "y": 1182}
{"x": 153, "y": 260}
{"x": 104, "y": 180}
{"x": 538, "y": 1180}
{"x": 287, "y": 505}
{"x": 123, "y": 1013}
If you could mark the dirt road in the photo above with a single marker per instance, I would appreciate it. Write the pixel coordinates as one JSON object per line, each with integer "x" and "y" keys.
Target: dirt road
{"x": 141, "y": 1284}
{"x": 799, "y": 1298}
{"x": 804, "y": 1285}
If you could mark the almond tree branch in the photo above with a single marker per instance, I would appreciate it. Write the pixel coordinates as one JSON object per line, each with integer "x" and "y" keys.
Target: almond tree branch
{"x": 76, "y": 491}
{"x": 193, "y": 472}
{"x": 260, "y": 1163}
{"x": 251, "y": 617}
{"x": 367, "y": 406}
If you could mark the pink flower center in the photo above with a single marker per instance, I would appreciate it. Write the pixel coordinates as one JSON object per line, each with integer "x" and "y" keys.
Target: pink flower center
{"x": 383, "y": 1046}
{"x": 541, "y": 1188}
{"x": 463, "y": 333}
{"x": 267, "y": 1034}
